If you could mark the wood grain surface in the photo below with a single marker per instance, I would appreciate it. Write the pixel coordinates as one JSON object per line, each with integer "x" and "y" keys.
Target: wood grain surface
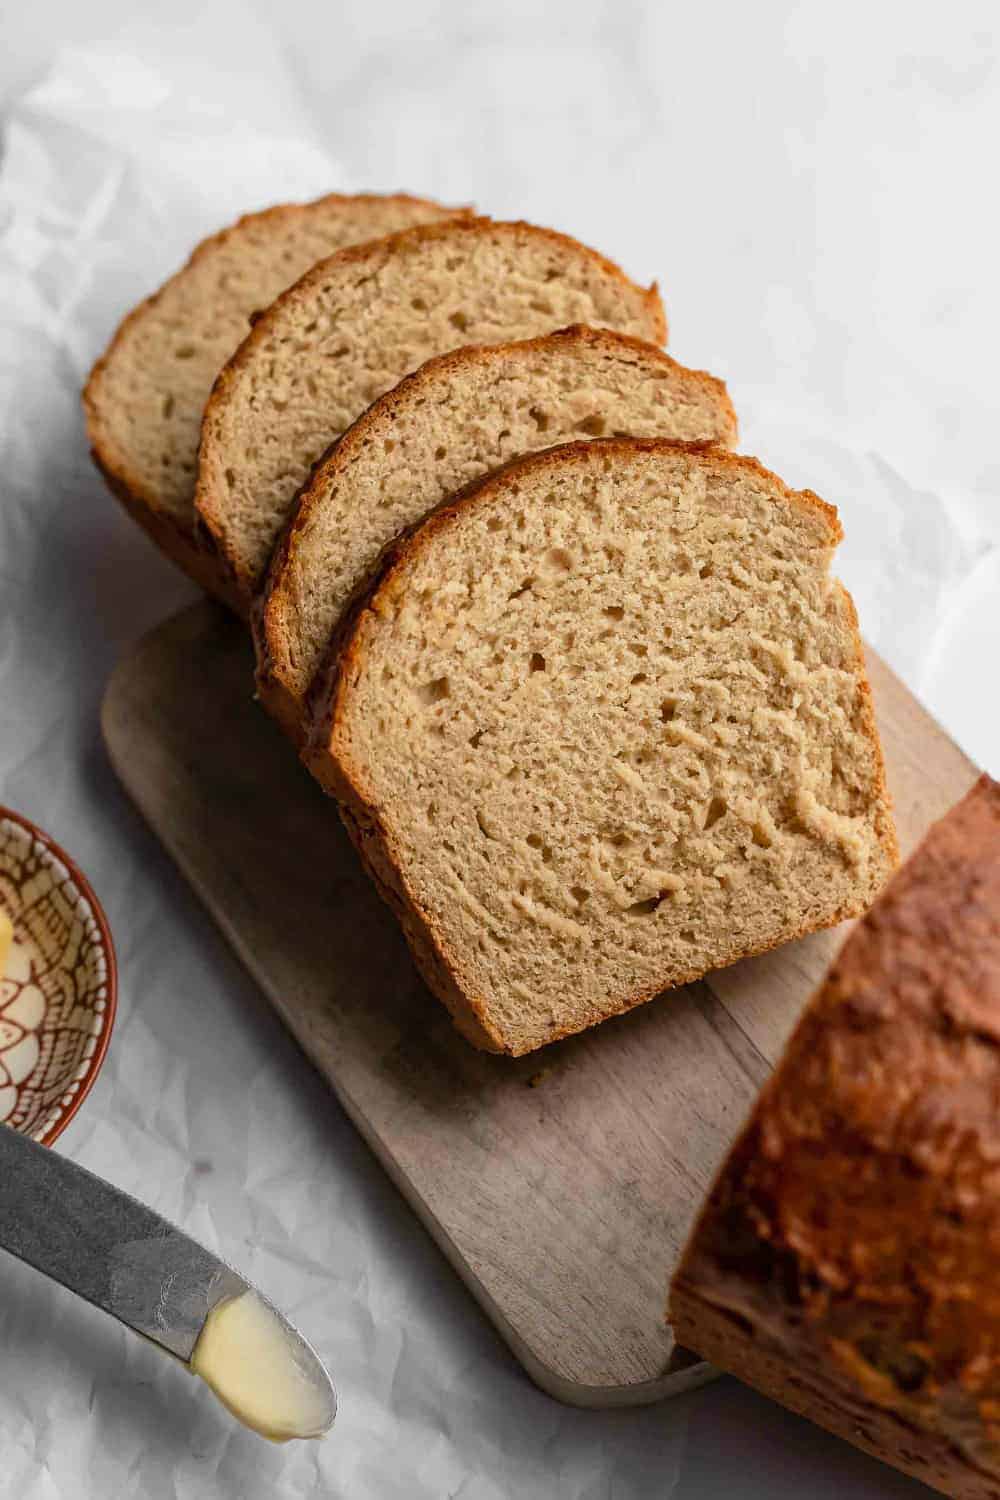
{"x": 561, "y": 1185}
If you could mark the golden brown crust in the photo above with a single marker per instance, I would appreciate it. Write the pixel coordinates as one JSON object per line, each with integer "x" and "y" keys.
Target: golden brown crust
{"x": 327, "y": 752}
{"x": 886, "y": 828}
{"x": 179, "y": 541}
{"x": 176, "y": 542}
{"x": 270, "y": 627}
{"x": 369, "y": 837}
{"x": 847, "y": 1258}
{"x": 804, "y": 1388}
{"x": 370, "y": 841}
{"x": 209, "y": 494}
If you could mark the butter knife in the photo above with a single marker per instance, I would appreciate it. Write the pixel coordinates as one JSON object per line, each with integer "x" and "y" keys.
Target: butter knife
{"x": 110, "y": 1249}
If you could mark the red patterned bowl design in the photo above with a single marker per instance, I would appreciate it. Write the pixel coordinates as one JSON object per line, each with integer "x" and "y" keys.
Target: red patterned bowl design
{"x": 59, "y": 987}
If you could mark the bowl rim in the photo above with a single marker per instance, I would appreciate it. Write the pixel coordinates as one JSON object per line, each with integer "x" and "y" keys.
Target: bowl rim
{"x": 96, "y": 1060}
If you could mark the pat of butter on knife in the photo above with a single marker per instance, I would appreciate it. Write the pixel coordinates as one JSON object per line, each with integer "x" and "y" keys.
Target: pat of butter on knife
{"x": 246, "y": 1356}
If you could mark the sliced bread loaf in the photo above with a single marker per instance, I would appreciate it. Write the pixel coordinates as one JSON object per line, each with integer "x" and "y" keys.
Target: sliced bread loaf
{"x": 146, "y": 394}
{"x": 356, "y": 323}
{"x": 603, "y": 724}
{"x": 456, "y": 417}
{"x": 847, "y": 1262}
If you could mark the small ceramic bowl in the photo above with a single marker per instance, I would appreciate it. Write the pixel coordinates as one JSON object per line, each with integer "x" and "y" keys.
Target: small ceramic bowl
{"x": 59, "y": 988}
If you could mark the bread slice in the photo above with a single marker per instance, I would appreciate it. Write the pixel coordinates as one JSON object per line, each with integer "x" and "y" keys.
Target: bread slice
{"x": 352, "y": 326}
{"x": 848, "y": 1260}
{"x": 146, "y": 394}
{"x": 602, "y": 724}
{"x": 458, "y": 416}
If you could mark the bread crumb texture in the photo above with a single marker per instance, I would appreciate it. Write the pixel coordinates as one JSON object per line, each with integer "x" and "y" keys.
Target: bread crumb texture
{"x": 457, "y": 417}
{"x": 354, "y": 325}
{"x": 146, "y": 395}
{"x": 608, "y": 715}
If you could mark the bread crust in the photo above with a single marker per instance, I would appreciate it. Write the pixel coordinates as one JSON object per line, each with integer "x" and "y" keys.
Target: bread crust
{"x": 804, "y": 1388}
{"x": 371, "y": 842}
{"x": 275, "y": 685}
{"x": 176, "y": 542}
{"x": 846, "y": 1261}
{"x": 178, "y": 539}
{"x": 210, "y": 493}
{"x": 327, "y": 754}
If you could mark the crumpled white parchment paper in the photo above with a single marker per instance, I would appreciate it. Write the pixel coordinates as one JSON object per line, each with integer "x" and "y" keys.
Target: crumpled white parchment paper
{"x": 124, "y": 154}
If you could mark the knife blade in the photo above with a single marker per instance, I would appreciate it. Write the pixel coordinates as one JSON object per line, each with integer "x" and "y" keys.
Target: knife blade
{"x": 119, "y": 1255}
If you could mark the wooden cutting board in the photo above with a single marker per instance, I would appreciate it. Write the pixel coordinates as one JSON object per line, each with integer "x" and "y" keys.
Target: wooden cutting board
{"x": 560, "y": 1186}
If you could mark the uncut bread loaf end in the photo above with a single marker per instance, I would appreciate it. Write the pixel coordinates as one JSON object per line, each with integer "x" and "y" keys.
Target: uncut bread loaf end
{"x": 847, "y": 1262}
{"x": 458, "y": 416}
{"x": 602, "y": 724}
{"x": 146, "y": 394}
{"x": 353, "y": 326}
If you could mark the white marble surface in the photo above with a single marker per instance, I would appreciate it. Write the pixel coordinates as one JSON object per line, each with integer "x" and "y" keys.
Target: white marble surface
{"x": 814, "y": 188}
